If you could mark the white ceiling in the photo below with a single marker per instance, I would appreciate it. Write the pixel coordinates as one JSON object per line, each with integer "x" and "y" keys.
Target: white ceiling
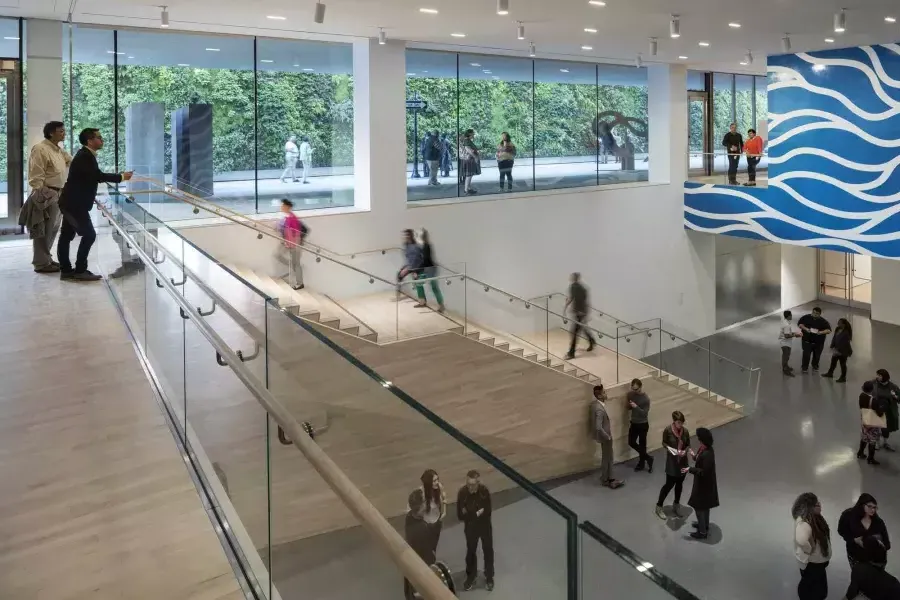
{"x": 556, "y": 27}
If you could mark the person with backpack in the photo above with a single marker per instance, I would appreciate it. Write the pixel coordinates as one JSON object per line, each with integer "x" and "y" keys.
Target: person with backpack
{"x": 293, "y": 232}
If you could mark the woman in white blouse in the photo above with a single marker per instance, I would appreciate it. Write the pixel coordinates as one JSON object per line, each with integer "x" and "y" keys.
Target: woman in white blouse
{"x": 812, "y": 547}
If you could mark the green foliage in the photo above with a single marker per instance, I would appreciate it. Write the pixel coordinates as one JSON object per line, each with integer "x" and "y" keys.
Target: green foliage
{"x": 317, "y": 105}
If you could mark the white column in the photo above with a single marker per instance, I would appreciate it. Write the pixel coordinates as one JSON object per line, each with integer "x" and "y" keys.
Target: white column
{"x": 668, "y": 122}
{"x": 799, "y": 278}
{"x": 379, "y": 105}
{"x": 44, "y": 63}
{"x": 886, "y": 290}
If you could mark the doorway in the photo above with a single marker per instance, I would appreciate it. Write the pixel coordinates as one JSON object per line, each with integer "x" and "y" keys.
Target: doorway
{"x": 699, "y": 157}
{"x": 845, "y": 278}
{"x": 11, "y": 146}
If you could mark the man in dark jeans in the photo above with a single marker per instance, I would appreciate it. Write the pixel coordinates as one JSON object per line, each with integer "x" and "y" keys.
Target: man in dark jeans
{"x": 734, "y": 145}
{"x": 417, "y": 535}
{"x": 473, "y": 508}
{"x": 639, "y": 405}
{"x": 578, "y": 298}
{"x": 75, "y": 203}
{"x": 815, "y": 329}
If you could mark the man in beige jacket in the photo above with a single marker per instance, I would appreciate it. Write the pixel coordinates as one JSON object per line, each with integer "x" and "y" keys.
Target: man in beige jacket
{"x": 48, "y": 166}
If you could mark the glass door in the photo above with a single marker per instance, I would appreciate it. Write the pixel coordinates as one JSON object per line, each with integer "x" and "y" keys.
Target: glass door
{"x": 699, "y": 159}
{"x": 11, "y": 142}
{"x": 845, "y": 278}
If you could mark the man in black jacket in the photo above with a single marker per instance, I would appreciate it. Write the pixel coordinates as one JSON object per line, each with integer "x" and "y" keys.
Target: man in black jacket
{"x": 734, "y": 145}
{"x": 77, "y": 200}
{"x": 872, "y": 581}
{"x": 473, "y": 508}
{"x": 417, "y": 535}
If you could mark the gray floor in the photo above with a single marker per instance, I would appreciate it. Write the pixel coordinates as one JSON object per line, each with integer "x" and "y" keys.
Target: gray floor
{"x": 803, "y": 436}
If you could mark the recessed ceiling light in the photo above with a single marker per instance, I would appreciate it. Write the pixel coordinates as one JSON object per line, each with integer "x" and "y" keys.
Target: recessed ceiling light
{"x": 734, "y": 25}
{"x": 744, "y": 63}
{"x": 682, "y": 58}
{"x": 487, "y": 71}
{"x": 597, "y": 2}
{"x": 424, "y": 71}
{"x": 475, "y": 64}
{"x": 460, "y": 35}
{"x": 410, "y": 74}
{"x": 829, "y": 40}
{"x": 114, "y": 52}
{"x": 587, "y": 47}
{"x": 563, "y": 70}
{"x": 704, "y": 44}
{"x": 502, "y": 7}
{"x": 309, "y": 70}
{"x": 428, "y": 11}
{"x": 265, "y": 60}
{"x": 590, "y": 30}
{"x": 890, "y": 19}
{"x": 130, "y": 57}
{"x": 276, "y": 17}
{"x": 212, "y": 50}
{"x": 10, "y": 38}
{"x": 296, "y": 65}
{"x": 183, "y": 65}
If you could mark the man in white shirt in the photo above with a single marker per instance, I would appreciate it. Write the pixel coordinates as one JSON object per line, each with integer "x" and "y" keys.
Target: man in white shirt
{"x": 786, "y": 337}
{"x": 306, "y": 153}
{"x": 48, "y": 166}
{"x": 291, "y": 153}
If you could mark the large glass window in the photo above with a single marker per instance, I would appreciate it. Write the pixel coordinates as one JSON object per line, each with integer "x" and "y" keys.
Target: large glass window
{"x": 723, "y": 115}
{"x": 762, "y": 99}
{"x": 243, "y": 120}
{"x": 570, "y": 124}
{"x": 743, "y": 104}
{"x": 11, "y": 162}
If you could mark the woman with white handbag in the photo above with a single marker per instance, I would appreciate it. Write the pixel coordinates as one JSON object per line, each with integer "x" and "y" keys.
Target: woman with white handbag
{"x": 872, "y": 413}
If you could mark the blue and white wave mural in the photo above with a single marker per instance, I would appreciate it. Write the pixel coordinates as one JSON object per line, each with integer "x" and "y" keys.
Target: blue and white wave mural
{"x": 834, "y": 153}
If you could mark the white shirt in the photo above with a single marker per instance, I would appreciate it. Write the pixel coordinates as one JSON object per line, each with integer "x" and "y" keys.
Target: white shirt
{"x": 48, "y": 165}
{"x": 786, "y": 333}
{"x": 290, "y": 150}
{"x": 803, "y": 545}
{"x": 305, "y": 151}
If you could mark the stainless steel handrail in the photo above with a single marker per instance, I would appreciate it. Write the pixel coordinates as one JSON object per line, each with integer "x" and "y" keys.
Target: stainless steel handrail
{"x": 409, "y": 563}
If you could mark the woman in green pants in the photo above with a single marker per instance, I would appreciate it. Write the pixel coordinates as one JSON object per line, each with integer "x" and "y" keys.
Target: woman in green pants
{"x": 430, "y": 270}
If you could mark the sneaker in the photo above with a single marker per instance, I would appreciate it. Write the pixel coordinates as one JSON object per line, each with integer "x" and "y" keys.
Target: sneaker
{"x": 816, "y": 369}
{"x": 699, "y": 536}
{"x": 86, "y": 276}
{"x": 489, "y": 585}
{"x": 127, "y": 268}
{"x": 649, "y": 464}
{"x": 660, "y": 513}
{"x": 51, "y": 268}
{"x": 441, "y": 308}
{"x": 299, "y": 286}
{"x": 804, "y": 371}
{"x": 469, "y": 584}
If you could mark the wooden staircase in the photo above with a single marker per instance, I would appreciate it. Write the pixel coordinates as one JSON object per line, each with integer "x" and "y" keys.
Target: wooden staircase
{"x": 684, "y": 384}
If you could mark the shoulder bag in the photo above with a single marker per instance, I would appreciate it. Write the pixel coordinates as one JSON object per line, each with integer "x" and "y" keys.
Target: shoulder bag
{"x": 870, "y": 418}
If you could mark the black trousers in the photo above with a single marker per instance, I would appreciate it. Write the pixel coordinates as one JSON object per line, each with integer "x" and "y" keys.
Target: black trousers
{"x": 485, "y": 533}
{"x": 577, "y": 327}
{"x": 811, "y": 350}
{"x": 672, "y": 481}
{"x": 785, "y": 358}
{"x": 813, "y": 582}
{"x": 835, "y": 359}
{"x": 75, "y": 223}
{"x": 733, "y": 160}
{"x": 752, "y": 161}
{"x": 505, "y": 167}
{"x": 637, "y": 439}
{"x": 702, "y": 520}
{"x": 863, "y": 446}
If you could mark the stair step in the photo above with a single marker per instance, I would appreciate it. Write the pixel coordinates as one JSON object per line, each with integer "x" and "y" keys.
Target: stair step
{"x": 331, "y": 322}
{"x": 738, "y": 407}
{"x": 730, "y": 403}
{"x": 518, "y": 351}
{"x": 585, "y": 376}
{"x": 372, "y": 337}
{"x": 593, "y": 379}
{"x": 532, "y": 357}
{"x": 474, "y": 335}
{"x": 560, "y": 367}
{"x": 544, "y": 361}
{"x": 502, "y": 346}
{"x": 459, "y": 330}
{"x": 487, "y": 341}
{"x": 352, "y": 330}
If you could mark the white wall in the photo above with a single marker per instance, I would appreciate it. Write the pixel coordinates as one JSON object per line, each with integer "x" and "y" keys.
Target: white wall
{"x": 886, "y": 290}
{"x": 44, "y": 59}
{"x": 799, "y": 276}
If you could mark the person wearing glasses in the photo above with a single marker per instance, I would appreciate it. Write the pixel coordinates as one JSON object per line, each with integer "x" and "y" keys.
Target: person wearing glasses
{"x": 812, "y": 547}
{"x": 860, "y": 526}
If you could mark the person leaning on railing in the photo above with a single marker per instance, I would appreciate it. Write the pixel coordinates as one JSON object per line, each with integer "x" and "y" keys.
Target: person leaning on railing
{"x": 753, "y": 148}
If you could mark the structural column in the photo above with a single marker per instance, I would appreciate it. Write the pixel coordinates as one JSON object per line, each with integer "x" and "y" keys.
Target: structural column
{"x": 668, "y": 122}
{"x": 44, "y": 43}
{"x": 886, "y": 290}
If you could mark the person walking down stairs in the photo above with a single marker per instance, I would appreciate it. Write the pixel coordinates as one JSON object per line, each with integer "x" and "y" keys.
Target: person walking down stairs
{"x": 578, "y": 299}
{"x": 430, "y": 271}
{"x": 414, "y": 263}
{"x": 292, "y": 232}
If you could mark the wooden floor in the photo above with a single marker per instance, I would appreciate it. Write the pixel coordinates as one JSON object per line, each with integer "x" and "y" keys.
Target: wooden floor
{"x": 96, "y": 501}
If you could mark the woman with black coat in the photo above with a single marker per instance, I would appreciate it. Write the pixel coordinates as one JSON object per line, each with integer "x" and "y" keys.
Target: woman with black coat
{"x": 859, "y": 523}
{"x": 676, "y": 440}
{"x": 705, "y": 493}
{"x": 841, "y": 349}
{"x": 887, "y": 393}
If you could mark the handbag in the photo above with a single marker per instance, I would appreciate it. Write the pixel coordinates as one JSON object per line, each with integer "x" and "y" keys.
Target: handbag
{"x": 870, "y": 418}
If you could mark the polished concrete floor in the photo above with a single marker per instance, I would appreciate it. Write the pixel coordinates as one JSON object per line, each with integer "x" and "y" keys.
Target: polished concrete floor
{"x": 803, "y": 436}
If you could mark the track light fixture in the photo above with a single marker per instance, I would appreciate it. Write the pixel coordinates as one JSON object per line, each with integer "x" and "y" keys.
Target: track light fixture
{"x": 748, "y": 58}
{"x": 638, "y": 62}
{"x": 531, "y": 51}
{"x": 654, "y": 46}
{"x": 840, "y": 21}
{"x": 164, "y": 17}
{"x": 319, "y": 17}
{"x": 502, "y": 7}
{"x": 521, "y": 30}
{"x": 675, "y": 27}
{"x": 382, "y": 36}
{"x": 786, "y": 44}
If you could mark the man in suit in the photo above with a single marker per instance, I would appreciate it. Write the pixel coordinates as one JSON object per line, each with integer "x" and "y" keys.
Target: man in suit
{"x": 76, "y": 202}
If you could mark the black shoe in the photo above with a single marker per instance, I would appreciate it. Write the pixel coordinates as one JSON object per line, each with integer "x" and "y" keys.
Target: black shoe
{"x": 699, "y": 536}
{"x": 66, "y": 275}
{"x": 804, "y": 371}
{"x": 872, "y": 461}
{"x": 789, "y": 373}
{"x": 828, "y": 375}
{"x": 590, "y": 348}
{"x": 51, "y": 268}
{"x": 816, "y": 368}
{"x": 841, "y": 380}
{"x": 860, "y": 455}
{"x": 469, "y": 584}
{"x": 489, "y": 585}
{"x": 649, "y": 464}
{"x": 86, "y": 276}
{"x": 570, "y": 356}
{"x": 639, "y": 468}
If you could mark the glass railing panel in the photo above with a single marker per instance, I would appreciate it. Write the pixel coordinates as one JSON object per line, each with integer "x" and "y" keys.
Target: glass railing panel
{"x": 610, "y": 570}
{"x": 735, "y": 383}
{"x": 385, "y": 441}
{"x": 431, "y": 304}
{"x": 507, "y": 318}
{"x": 712, "y": 167}
{"x": 638, "y": 345}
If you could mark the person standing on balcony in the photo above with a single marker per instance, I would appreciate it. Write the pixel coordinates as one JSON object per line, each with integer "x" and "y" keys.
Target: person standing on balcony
{"x": 578, "y": 299}
{"x": 753, "y": 149}
{"x": 841, "y": 349}
{"x": 470, "y": 161}
{"x": 812, "y": 547}
{"x": 306, "y": 154}
{"x": 431, "y": 154}
{"x": 288, "y": 252}
{"x": 733, "y": 142}
{"x": 676, "y": 440}
{"x": 473, "y": 509}
{"x": 430, "y": 271}
{"x": 786, "y": 337}
{"x": 603, "y": 437}
{"x": 47, "y": 165}
{"x": 75, "y": 204}
{"x": 639, "y": 405}
{"x": 705, "y": 493}
{"x": 815, "y": 329}
{"x": 291, "y": 154}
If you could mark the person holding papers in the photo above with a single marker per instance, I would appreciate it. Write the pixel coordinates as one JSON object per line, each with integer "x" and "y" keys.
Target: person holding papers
{"x": 676, "y": 440}
{"x": 815, "y": 329}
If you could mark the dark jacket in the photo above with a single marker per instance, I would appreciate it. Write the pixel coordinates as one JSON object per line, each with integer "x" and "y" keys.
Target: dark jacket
{"x": 468, "y": 504}
{"x": 674, "y": 464}
{"x": 840, "y": 343}
{"x": 873, "y": 582}
{"x": 431, "y": 148}
{"x": 705, "y": 493}
{"x": 882, "y": 393}
{"x": 733, "y": 139}
{"x": 427, "y": 259}
{"x": 420, "y": 538}
{"x": 80, "y": 191}
{"x": 850, "y": 527}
